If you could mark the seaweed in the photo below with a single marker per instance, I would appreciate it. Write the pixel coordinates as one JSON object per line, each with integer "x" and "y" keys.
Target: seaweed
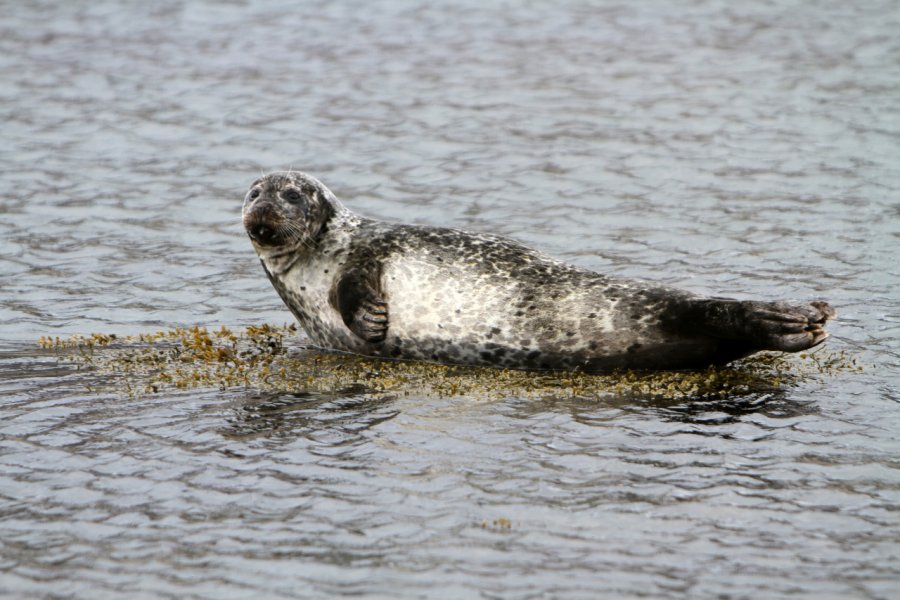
{"x": 272, "y": 358}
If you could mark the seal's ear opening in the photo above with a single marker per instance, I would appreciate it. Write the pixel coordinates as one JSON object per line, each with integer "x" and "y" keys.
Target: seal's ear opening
{"x": 325, "y": 212}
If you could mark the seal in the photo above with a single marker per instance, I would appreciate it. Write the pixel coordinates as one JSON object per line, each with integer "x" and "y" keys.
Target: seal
{"x": 443, "y": 295}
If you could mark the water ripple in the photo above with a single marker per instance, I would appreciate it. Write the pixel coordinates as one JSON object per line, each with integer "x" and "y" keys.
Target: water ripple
{"x": 745, "y": 150}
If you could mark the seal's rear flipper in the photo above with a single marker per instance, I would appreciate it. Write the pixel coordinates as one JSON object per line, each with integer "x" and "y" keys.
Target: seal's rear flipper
{"x": 783, "y": 326}
{"x": 790, "y": 327}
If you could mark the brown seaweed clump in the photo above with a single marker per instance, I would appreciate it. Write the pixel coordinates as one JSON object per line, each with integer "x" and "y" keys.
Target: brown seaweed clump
{"x": 268, "y": 357}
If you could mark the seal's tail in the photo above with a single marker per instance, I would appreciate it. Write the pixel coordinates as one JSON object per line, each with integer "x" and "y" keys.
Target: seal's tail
{"x": 783, "y": 326}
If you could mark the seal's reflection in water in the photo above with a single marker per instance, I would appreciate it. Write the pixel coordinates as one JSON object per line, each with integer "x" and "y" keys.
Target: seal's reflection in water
{"x": 666, "y": 415}
{"x": 355, "y": 409}
{"x": 776, "y": 404}
{"x": 305, "y": 414}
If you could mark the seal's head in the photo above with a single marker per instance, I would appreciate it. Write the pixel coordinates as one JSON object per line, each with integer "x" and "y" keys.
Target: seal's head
{"x": 287, "y": 209}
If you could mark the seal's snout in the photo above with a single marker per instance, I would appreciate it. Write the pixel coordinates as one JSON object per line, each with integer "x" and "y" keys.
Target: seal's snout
{"x": 261, "y": 227}
{"x": 262, "y": 234}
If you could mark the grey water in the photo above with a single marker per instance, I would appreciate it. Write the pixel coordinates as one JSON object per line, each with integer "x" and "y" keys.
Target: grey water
{"x": 741, "y": 149}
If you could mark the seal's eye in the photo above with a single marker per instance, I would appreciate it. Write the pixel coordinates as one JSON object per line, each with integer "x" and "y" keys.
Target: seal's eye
{"x": 254, "y": 194}
{"x": 291, "y": 196}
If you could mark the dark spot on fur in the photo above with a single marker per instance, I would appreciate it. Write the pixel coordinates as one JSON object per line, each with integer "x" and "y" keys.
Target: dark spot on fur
{"x": 532, "y": 355}
{"x": 570, "y": 333}
{"x": 592, "y": 316}
{"x": 633, "y": 348}
{"x": 592, "y": 345}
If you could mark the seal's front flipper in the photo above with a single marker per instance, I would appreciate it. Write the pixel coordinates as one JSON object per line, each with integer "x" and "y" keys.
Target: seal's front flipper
{"x": 783, "y": 326}
{"x": 363, "y": 310}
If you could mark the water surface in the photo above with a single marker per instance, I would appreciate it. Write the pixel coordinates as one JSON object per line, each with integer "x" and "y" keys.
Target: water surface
{"x": 728, "y": 149}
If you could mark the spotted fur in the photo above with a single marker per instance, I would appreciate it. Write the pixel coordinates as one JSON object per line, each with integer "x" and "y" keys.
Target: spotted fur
{"x": 449, "y": 296}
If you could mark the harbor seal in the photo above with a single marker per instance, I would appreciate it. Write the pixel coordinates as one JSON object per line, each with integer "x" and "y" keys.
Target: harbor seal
{"x": 449, "y": 296}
